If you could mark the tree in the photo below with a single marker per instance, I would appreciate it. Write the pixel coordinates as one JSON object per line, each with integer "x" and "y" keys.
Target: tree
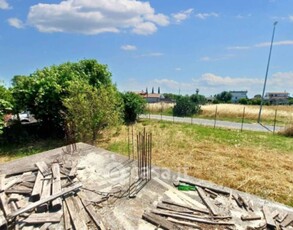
{"x": 224, "y": 97}
{"x": 198, "y": 99}
{"x": 43, "y": 91}
{"x": 133, "y": 106}
{"x": 5, "y": 104}
{"x": 243, "y": 101}
{"x": 89, "y": 110}
{"x": 185, "y": 107}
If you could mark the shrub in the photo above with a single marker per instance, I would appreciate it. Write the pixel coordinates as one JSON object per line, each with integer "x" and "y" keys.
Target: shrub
{"x": 288, "y": 132}
{"x": 185, "y": 107}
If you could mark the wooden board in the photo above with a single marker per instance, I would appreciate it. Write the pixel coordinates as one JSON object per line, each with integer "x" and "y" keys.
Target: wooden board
{"x": 96, "y": 217}
{"x": 56, "y": 186}
{"x": 269, "y": 218}
{"x": 39, "y": 218}
{"x": 207, "y": 201}
{"x": 37, "y": 189}
{"x": 288, "y": 220}
{"x": 4, "y": 204}
{"x": 250, "y": 217}
{"x": 186, "y": 207}
{"x": 184, "y": 223}
{"x": 45, "y": 200}
{"x": 76, "y": 218}
{"x": 3, "y": 221}
{"x": 43, "y": 167}
{"x": 46, "y": 192}
{"x": 81, "y": 209}
{"x": 159, "y": 221}
{"x": 2, "y": 181}
{"x": 66, "y": 217}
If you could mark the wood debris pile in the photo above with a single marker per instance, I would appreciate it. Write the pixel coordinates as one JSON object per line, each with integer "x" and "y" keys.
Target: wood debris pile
{"x": 218, "y": 209}
{"x": 45, "y": 196}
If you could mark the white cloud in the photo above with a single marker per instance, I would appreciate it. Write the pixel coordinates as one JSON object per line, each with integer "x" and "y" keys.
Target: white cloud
{"x": 279, "y": 43}
{"x": 219, "y": 58}
{"x": 172, "y": 84}
{"x": 206, "y": 15}
{"x": 182, "y": 15}
{"x": 205, "y": 58}
{"x": 178, "y": 69}
{"x": 291, "y": 18}
{"x": 94, "y": 17}
{"x": 15, "y": 22}
{"x": 238, "y": 47}
{"x": 128, "y": 47}
{"x": 282, "y": 81}
{"x": 4, "y": 5}
{"x": 154, "y": 54}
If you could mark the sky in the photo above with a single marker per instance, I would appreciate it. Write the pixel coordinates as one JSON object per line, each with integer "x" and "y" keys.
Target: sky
{"x": 177, "y": 45}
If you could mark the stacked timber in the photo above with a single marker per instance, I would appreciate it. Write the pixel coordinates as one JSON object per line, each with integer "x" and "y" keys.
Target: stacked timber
{"x": 209, "y": 214}
{"x": 46, "y": 196}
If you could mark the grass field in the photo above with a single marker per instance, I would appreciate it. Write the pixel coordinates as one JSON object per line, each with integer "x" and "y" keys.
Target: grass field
{"x": 234, "y": 112}
{"x": 258, "y": 163}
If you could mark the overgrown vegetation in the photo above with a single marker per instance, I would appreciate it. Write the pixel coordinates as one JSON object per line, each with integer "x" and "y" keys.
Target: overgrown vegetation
{"x": 227, "y": 157}
{"x": 185, "y": 107}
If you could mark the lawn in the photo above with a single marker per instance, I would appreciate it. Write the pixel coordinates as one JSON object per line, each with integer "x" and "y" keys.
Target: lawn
{"x": 255, "y": 162}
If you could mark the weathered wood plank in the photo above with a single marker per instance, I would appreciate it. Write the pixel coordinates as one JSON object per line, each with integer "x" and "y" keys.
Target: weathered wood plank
{"x": 45, "y": 200}
{"x": 177, "y": 209}
{"x": 46, "y": 192}
{"x": 268, "y": 216}
{"x": 81, "y": 209}
{"x": 159, "y": 221}
{"x": 14, "y": 197}
{"x": 4, "y": 203}
{"x": 3, "y": 221}
{"x": 73, "y": 170}
{"x": 56, "y": 186}
{"x": 43, "y": 167}
{"x": 186, "y": 207}
{"x": 250, "y": 217}
{"x": 39, "y": 218}
{"x": 96, "y": 217}
{"x": 66, "y": 218}
{"x": 2, "y": 181}
{"x": 28, "y": 184}
{"x": 184, "y": 223}
{"x": 37, "y": 189}
{"x": 45, "y": 226}
{"x": 10, "y": 183}
{"x": 196, "y": 219}
{"x": 76, "y": 218}
{"x": 19, "y": 190}
{"x": 288, "y": 220}
{"x": 207, "y": 201}
{"x": 31, "y": 177}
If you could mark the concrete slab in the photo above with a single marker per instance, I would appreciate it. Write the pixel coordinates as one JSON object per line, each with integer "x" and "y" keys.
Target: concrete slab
{"x": 105, "y": 173}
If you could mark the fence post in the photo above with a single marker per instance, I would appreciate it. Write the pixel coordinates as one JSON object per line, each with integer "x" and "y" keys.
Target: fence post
{"x": 275, "y": 120}
{"x": 161, "y": 110}
{"x": 242, "y": 118}
{"x": 216, "y": 116}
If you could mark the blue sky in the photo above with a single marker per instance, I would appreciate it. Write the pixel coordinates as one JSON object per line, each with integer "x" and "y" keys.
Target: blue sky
{"x": 181, "y": 45}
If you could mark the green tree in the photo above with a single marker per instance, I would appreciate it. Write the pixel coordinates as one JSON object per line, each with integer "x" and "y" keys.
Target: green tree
{"x": 224, "y": 97}
{"x": 43, "y": 91}
{"x": 243, "y": 101}
{"x": 198, "y": 99}
{"x": 133, "y": 106}
{"x": 5, "y": 104}
{"x": 89, "y": 110}
{"x": 185, "y": 107}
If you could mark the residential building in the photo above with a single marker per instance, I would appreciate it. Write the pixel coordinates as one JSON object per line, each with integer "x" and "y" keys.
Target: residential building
{"x": 277, "y": 98}
{"x": 237, "y": 95}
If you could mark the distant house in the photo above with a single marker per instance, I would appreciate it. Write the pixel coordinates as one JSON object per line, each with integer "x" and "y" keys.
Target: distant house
{"x": 152, "y": 97}
{"x": 237, "y": 95}
{"x": 277, "y": 98}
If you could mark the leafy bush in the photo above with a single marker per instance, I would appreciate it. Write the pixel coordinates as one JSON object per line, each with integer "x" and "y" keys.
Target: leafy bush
{"x": 185, "y": 107}
{"x": 133, "y": 106}
{"x": 224, "y": 97}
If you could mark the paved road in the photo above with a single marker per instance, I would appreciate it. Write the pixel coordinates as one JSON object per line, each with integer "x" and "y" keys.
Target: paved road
{"x": 207, "y": 122}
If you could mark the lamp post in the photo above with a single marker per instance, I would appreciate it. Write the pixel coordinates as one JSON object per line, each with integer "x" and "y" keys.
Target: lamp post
{"x": 265, "y": 82}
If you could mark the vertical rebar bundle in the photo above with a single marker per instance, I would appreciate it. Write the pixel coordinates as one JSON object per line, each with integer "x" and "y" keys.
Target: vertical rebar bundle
{"x": 144, "y": 155}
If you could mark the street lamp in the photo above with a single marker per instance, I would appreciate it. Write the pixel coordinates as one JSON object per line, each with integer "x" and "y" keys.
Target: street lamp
{"x": 265, "y": 82}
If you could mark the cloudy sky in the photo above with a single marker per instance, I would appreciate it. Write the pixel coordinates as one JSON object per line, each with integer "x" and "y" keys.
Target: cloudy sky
{"x": 179, "y": 45}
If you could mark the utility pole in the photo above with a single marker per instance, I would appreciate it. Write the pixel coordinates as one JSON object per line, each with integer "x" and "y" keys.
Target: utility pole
{"x": 265, "y": 82}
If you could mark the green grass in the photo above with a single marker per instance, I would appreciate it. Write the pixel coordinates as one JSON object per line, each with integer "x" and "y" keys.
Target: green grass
{"x": 14, "y": 151}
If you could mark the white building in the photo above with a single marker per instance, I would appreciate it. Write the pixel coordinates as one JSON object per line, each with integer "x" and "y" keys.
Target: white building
{"x": 237, "y": 95}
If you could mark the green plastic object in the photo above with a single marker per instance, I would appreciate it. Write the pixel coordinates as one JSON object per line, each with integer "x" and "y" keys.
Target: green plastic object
{"x": 186, "y": 187}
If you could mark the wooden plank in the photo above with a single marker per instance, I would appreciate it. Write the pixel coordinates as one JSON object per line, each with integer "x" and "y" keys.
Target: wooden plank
{"x": 19, "y": 190}
{"x": 177, "y": 209}
{"x": 45, "y": 200}
{"x": 66, "y": 218}
{"x": 181, "y": 195}
{"x": 10, "y": 183}
{"x": 187, "y": 207}
{"x": 207, "y": 201}
{"x": 14, "y": 197}
{"x": 268, "y": 216}
{"x": 73, "y": 170}
{"x": 46, "y": 192}
{"x": 56, "y": 186}
{"x": 288, "y": 220}
{"x": 28, "y": 177}
{"x": 250, "y": 217}
{"x": 2, "y": 181}
{"x": 159, "y": 221}
{"x": 43, "y": 167}
{"x": 184, "y": 223}
{"x": 196, "y": 219}
{"x": 39, "y": 218}
{"x": 96, "y": 217}
{"x": 76, "y": 218}
{"x": 45, "y": 226}
{"x": 4, "y": 204}
{"x": 81, "y": 209}
{"x": 37, "y": 189}
{"x": 28, "y": 184}
{"x": 3, "y": 221}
